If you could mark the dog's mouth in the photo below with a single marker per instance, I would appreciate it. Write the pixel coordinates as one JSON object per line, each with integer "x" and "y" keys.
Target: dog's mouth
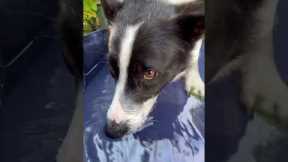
{"x": 122, "y": 121}
{"x": 118, "y": 130}
{"x": 115, "y": 131}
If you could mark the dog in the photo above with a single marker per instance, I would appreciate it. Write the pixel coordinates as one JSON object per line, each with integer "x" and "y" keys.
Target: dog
{"x": 145, "y": 36}
{"x": 151, "y": 43}
{"x": 165, "y": 36}
{"x": 240, "y": 37}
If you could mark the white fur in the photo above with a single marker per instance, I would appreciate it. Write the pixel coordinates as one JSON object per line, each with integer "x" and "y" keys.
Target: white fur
{"x": 117, "y": 111}
{"x": 179, "y": 76}
{"x": 137, "y": 119}
{"x": 112, "y": 32}
{"x": 193, "y": 81}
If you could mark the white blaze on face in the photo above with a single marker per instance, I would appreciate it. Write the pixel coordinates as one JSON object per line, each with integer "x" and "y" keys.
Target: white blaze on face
{"x": 112, "y": 33}
{"x": 178, "y": 2}
{"x": 118, "y": 109}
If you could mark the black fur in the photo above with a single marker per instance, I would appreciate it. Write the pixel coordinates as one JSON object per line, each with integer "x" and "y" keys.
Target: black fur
{"x": 164, "y": 46}
{"x": 110, "y": 8}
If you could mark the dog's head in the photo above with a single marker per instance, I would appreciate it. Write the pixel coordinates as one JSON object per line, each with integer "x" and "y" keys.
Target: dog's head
{"x": 149, "y": 42}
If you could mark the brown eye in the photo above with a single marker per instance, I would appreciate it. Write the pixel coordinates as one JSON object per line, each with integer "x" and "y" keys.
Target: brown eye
{"x": 150, "y": 74}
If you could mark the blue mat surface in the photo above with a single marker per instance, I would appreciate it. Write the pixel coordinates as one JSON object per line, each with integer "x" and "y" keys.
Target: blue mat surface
{"x": 177, "y": 134}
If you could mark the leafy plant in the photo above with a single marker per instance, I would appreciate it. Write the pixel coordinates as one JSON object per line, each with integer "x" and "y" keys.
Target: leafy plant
{"x": 92, "y": 15}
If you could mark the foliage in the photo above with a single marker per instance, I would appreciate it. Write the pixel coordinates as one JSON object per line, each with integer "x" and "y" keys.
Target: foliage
{"x": 92, "y": 15}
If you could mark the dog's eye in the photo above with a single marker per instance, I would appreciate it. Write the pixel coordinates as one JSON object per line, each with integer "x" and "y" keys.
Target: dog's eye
{"x": 150, "y": 74}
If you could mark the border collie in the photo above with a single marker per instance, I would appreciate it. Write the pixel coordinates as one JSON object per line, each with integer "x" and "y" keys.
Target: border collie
{"x": 151, "y": 43}
{"x": 239, "y": 37}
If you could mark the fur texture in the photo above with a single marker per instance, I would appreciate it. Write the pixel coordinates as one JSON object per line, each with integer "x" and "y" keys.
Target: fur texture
{"x": 166, "y": 40}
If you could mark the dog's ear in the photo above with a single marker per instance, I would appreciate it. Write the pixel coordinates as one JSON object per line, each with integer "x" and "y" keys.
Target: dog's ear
{"x": 189, "y": 27}
{"x": 189, "y": 19}
{"x": 111, "y": 7}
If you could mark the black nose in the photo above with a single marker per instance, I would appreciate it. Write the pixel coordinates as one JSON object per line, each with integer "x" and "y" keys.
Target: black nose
{"x": 114, "y": 130}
